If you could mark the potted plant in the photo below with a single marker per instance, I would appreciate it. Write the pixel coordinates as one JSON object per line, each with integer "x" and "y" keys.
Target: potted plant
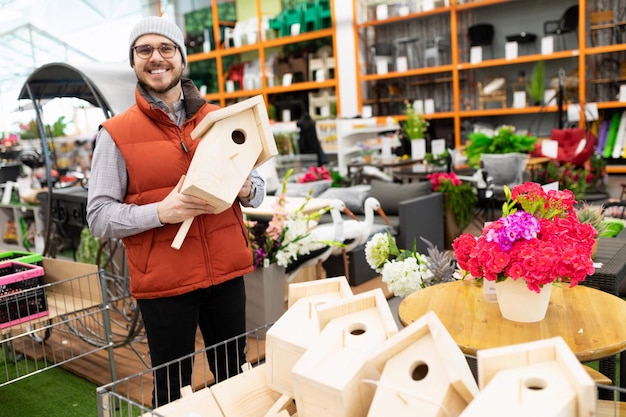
{"x": 406, "y": 271}
{"x": 537, "y": 241}
{"x": 593, "y": 215}
{"x": 535, "y": 87}
{"x": 459, "y": 202}
{"x": 438, "y": 160}
{"x": 367, "y": 151}
{"x": 503, "y": 140}
{"x": 415, "y": 126}
{"x": 570, "y": 177}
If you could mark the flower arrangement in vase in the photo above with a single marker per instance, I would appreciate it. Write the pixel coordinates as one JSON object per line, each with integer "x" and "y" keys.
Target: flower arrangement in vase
{"x": 406, "y": 271}
{"x": 460, "y": 197}
{"x": 537, "y": 241}
{"x": 416, "y": 125}
{"x": 287, "y": 235}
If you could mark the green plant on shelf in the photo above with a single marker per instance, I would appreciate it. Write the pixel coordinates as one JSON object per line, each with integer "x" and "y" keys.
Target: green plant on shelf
{"x": 416, "y": 125}
{"x": 504, "y": 140}
{"x": 438, "y": 160}
{"x": 535, "y": 87}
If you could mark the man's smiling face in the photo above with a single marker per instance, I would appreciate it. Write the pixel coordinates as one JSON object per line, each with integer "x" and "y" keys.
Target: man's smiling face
{"x": 157, "y": 74}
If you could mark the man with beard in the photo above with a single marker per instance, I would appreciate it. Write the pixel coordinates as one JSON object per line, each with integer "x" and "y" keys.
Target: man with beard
{"x": 139, "y": 165}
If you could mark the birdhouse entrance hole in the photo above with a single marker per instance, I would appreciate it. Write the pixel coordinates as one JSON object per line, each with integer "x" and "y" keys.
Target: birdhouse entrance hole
{"x": 535, "y": 384}
{"x": 357, "y": 329}
{"x": 419, "y": 371}
{"x": 238, "y": 136}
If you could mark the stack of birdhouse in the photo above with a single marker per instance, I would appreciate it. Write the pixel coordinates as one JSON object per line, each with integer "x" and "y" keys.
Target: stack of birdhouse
{"x": 290, "y": 337}
{"x": 333, "y": 353}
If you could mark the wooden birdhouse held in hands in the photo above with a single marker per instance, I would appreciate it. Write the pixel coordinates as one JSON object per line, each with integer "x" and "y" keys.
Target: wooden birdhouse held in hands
{"x": 233, "y": 141}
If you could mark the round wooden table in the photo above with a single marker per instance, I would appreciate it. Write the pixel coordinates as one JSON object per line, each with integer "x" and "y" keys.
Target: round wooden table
{"x": 589, "y": 320}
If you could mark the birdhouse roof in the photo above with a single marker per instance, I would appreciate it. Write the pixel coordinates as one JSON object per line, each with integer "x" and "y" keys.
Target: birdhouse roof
{"x": 257, "y": 105}
{"x": 454, "y": 363}
{"x": 300, "y": 290}
{"x": 554, "y": 352}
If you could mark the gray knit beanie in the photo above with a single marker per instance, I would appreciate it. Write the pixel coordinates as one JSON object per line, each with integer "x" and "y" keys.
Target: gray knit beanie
{"x": 159, "y": 26}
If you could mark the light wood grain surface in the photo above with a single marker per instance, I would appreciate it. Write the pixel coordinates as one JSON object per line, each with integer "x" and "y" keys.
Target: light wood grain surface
{"x": 589, "y": 320}
{"x": 607, "y": 408}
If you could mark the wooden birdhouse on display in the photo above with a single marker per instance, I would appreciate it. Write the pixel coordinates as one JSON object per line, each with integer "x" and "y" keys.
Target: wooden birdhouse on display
{"x": 248, "y": 394}
{"x": 197, "y": 404}
{"x": 233, "y": 141}
{"x": 422, "y": 372}
{"x": 327, "y": 380}
{"x": 540, "y": 379}
{"x": 290, "y": 336}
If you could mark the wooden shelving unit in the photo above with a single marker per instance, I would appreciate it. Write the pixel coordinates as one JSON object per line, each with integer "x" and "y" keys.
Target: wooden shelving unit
{"x": 221, "y": 55}
{"x": 454, "y": 17}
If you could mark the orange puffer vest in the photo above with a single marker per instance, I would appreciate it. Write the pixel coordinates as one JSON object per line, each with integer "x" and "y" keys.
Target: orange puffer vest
{"x": 216, "y": 247}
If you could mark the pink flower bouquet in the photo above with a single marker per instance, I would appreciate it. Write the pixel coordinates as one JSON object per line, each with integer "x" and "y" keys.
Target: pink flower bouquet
{"x": 538, "y": 239}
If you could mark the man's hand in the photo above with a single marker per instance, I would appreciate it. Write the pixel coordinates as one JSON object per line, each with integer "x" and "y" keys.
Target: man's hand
{"x": 177, "y": 207}
{"x": 246, "y": 188}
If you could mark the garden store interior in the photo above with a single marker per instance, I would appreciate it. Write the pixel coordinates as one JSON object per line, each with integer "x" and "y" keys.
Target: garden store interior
{"x": 427, "y": 111}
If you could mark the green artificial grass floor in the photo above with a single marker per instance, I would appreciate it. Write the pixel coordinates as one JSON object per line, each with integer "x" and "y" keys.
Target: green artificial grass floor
{"x": 54, "y": 392}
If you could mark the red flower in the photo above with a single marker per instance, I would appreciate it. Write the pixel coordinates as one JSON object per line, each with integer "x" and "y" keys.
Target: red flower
{"x": 437, "y": 179}
{"x": 314, "y": 173}
{"x": 560, "y": 251}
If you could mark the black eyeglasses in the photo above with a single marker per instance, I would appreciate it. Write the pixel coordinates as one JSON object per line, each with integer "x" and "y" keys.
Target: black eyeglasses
{"x": 167, "y": 50}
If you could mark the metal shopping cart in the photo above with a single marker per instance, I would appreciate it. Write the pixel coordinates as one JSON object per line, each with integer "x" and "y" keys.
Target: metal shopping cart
{"x": 132, "y": 396}
{"x": 67, "y": 298}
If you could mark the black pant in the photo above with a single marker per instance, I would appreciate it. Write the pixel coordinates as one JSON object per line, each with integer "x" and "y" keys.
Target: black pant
{"x": 171, "y": 324}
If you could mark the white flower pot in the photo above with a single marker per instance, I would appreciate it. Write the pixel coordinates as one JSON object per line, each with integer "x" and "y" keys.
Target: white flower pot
{"x": 518, "y": 303}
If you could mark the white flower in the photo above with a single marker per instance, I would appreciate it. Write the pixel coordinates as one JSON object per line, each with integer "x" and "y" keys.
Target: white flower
{"x": 297, "y": 241}
{"x": 404, "y": 277}
{"x": 460, "y": 274}
{"x": 403, "y": 271}
{"x": 377, "y": 251}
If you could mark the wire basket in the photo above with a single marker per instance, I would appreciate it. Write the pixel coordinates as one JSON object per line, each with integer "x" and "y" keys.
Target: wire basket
{"x": 22, "y": 296}
{"x": 132, "y": 396}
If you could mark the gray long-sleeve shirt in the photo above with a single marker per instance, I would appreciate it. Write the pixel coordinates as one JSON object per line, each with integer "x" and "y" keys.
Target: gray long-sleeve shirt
{"x": 107, "y": 214}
